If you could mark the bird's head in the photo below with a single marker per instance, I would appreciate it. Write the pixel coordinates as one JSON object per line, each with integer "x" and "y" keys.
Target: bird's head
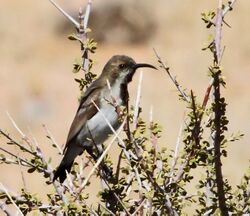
{"x": 122, "y": 68}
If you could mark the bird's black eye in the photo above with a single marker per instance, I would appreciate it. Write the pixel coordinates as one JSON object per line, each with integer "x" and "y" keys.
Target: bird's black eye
{"x": 122, "y": 66}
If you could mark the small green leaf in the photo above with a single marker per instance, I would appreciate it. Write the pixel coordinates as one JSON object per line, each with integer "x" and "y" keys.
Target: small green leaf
{"x": 74, "y": 37}
{"x": 77, "y": 65}
{"x": 31, "y": 170}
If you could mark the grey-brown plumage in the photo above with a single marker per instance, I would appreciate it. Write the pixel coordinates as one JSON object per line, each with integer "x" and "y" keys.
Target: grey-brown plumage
{"x": 89, "y": 128}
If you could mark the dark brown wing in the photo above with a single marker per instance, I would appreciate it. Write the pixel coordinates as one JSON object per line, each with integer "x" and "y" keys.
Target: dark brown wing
{"x": 85, "y": 111}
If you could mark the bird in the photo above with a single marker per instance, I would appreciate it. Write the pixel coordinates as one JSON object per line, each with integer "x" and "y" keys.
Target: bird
{"x": 89, "y": 129}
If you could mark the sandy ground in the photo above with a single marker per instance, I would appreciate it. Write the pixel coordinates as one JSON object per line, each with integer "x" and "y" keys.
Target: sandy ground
{"x": 37, "y": 86}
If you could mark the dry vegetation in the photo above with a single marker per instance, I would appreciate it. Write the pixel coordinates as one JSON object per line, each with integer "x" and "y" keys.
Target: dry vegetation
{"x": 37, "y": 87}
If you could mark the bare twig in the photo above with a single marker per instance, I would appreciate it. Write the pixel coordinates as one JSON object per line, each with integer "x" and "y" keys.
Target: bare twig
{"x": 166, "y": 68}
{"x": 83, "y": 35}
{"x": 209, "y": 187}
{"x": 118, "y": 167}
{"x": 154, "y": 139}
{"x": 23, "y": 179}
{"x": 137, "y": 175}
{"x": 87, "y": 13}
{"x": 51, "y": 137}
{"x": 84, "y": 163}
{"x": 113, "y": 101}
{"x": 175, "y": 157}
{"x": 121, "y": 142}
{"x": 15, "y": 125}
{"x": 137, "y": 101}
{"x": 12, "y": 141}
{"x": 10, "y": 198}
{"x": 139, "y": 207}
{"x": 228, "y": 8}
{"x": 218, "y": 25}
{"x": 18, "y": 158}
{"x": 5, "y": 209}
{"x": 71, "y": 19}
{"x": 12, "y": 161}
{"x": 129, "y": 181}
{"x": 70, "y": 184}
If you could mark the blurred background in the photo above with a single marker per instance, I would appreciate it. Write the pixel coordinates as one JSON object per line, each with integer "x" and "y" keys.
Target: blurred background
{"x": 37, "y": 84}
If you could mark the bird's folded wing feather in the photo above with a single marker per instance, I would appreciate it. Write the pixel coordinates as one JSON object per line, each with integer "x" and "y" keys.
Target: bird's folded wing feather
{"x": 85, "y": 111}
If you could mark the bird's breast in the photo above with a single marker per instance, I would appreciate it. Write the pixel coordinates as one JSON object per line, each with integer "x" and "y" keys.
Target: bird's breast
{"x": 99, "y": 124}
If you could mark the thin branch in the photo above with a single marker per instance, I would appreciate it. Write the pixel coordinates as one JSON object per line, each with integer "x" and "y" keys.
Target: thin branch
{"x": 18, "y": 158}
{"x": 12, "y": 141}
{"x": 154, "y": 138}
{"x": 71, "y": 19}
{"x": 137, "y": 175}
{"x": 83, "y": 35}
{"x": 118, "y": 167}
{"x": 129, "y": 182}
{"x": 175, "y": 157}
{"x": 139, "y": 207}
{"x": 50, "y": 136}
{"x": 228, "y": 8}
{"x": 23, "y": 179}
{"x": 218, "y": 26}
{"x": 87, "y": 13}
{"x": 121, "y": 142}
{"x": 5, "y": 209}
{"x": 137, "y": 101}
{"x": 70, "y": 184}
{"x": 84, "y": 163}
{"x": 208, "y": 192}
{"x": 113, "y": 101}
{"x": 15, "y": 125}
{"x": 179, "y": 88}
{"x": 11, "y": 161}
{"x": 10, "y": 198}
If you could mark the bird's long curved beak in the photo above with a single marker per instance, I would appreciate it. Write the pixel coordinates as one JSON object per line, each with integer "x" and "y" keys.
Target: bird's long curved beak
{"x": 136, "y": 66}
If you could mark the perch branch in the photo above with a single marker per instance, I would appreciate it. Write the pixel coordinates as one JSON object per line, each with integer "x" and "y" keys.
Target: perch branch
{"x": 176, "y": 83}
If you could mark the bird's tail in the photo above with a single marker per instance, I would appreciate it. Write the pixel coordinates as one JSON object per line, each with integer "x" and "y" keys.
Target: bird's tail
{"x": 66, "y": 163}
